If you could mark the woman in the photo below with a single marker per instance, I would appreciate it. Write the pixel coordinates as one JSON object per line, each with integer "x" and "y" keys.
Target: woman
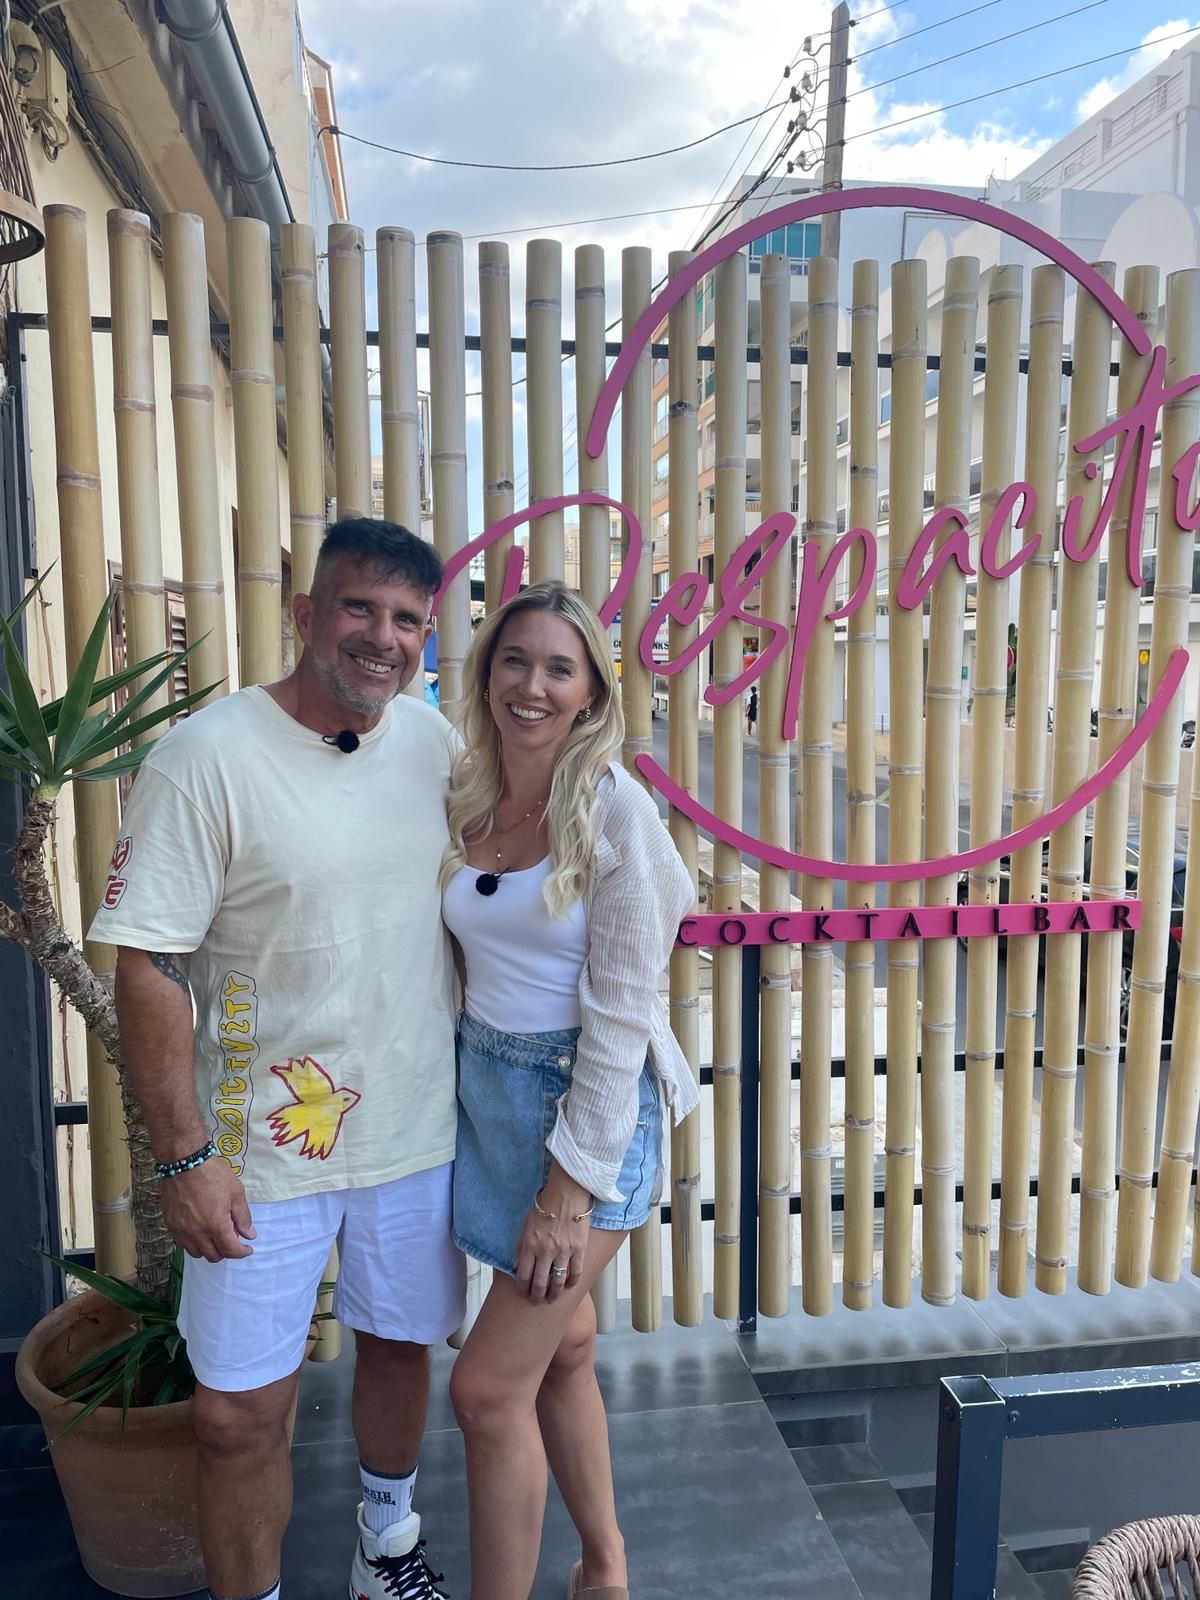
{"x": 564, "y": 893}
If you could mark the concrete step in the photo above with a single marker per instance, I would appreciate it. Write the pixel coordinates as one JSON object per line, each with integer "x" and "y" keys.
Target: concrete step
{"x": 820, "y": 1419}
{"x": 1012, "y": 1581}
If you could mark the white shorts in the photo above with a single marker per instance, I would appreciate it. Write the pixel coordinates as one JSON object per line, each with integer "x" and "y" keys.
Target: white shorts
{"x": 246, "y": 1322}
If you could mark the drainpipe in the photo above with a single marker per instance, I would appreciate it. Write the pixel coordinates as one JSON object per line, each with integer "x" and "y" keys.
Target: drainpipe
{"x": 210, "y": 47}
{"x": 211, "y": 50}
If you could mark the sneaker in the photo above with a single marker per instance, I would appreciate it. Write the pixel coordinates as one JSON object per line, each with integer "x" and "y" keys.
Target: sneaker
{"x": 391, "y": 1565}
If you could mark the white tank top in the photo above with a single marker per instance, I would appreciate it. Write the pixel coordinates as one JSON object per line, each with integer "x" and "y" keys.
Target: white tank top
{"x": 523, "y": 966}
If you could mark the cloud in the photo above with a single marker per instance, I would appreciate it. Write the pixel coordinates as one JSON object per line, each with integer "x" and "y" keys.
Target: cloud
{"x": 1153, "y": 51}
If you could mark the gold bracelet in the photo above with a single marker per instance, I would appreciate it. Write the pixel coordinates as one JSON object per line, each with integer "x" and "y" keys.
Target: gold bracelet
{"x": 552, "y": 1216}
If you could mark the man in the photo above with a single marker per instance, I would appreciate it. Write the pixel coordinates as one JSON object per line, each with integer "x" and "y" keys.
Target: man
{"x": 278, "y": 862}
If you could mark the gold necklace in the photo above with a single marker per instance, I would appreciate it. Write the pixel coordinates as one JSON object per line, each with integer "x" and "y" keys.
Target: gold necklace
{"x": 488, "y": 882}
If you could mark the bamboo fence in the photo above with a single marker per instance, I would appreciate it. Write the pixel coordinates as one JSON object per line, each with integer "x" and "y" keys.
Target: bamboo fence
{"x": 858, "y": 1252}
{"x": 906, "y": 476}
{"x": 1004, "y": 300}
{"x": 1029, "y": 786}
{"x": 926, "y": 693}
{"x": 729, "y": 529}
{"x": 774, "y": 807}
{"x": 943, "y": 714}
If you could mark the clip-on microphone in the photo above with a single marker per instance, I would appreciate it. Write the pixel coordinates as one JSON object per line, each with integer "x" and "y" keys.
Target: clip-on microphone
{"x": 346, "y": 741}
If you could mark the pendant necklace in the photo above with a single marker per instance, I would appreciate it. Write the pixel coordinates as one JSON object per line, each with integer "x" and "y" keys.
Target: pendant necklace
{"x": 488, "y": 882}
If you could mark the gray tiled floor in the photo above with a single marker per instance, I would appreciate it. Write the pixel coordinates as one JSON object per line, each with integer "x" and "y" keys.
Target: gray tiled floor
{"x": 709, "y": 1498}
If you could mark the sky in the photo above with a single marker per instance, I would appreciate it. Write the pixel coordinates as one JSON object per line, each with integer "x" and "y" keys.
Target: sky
{"x": 546, "y": 81}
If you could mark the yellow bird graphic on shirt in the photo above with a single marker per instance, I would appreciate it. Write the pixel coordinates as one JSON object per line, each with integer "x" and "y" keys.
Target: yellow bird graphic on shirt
{"x": 318, "y": 1108}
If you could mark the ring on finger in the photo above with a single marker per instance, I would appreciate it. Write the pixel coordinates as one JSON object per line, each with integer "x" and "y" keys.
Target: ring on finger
{"x": 558, "y": 1272}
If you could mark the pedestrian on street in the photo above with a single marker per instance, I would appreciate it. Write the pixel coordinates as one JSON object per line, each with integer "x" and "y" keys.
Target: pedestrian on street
{"x": 752, "y": 709}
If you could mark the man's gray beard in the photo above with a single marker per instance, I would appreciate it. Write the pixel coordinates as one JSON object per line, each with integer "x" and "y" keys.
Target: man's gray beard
{"x": 350, "y": 697}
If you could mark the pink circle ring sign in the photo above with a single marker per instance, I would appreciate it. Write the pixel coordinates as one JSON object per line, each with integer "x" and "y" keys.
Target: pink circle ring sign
{"x": 1135, "y": 336}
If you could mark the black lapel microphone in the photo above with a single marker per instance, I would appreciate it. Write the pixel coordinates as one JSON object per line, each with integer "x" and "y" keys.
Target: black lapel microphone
{"x": 346, "y": 741}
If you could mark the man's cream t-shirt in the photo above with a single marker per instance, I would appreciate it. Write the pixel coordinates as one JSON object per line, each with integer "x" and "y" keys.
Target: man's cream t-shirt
{"x": 300, "y": 885}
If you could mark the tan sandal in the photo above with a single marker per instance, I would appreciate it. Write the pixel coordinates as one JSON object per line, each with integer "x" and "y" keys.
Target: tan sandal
{"x": 574, "y": 1592}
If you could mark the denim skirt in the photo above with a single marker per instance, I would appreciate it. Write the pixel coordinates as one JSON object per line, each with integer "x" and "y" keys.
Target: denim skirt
{"x": 509, "y": 1086}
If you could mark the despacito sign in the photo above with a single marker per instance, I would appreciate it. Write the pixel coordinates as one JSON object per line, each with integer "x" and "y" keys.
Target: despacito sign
{"x": 1131, "y": 435}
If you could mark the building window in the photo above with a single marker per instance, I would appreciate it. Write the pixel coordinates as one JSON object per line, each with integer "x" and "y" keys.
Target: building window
{"x": 662, "y": 416}
{"x": 799, "y": 240}
{"x": 662, "y": 467}
{"x": 177, "y": 639}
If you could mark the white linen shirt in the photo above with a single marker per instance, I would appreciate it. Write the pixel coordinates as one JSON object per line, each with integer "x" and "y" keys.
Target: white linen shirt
{"x": 638, "y": 893}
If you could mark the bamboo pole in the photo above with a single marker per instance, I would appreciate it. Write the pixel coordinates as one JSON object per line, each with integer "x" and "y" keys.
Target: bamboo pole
{"x": 645, "y": 1244}
{"x": 728, "y": 533}
{"x": 543, "y": 366}
{"x": 1118, "y": 693}
{"x": 305, "y": 422}
{"x": 495, "y": 342}
{"x": 137, "y": 443}
{"x": 774, "y": 804}
{"x": 252, "y": 359}
{"x": 348, "y": 353}
{"x": 399, "y": 421}
{"x": 1042, "y": 404}
{"x": 1183, "y": 1077}
{"x": 816, "y": 743}
{"x": 1078, "y": 588}
{"x": 448, "y": 455}
{"x": 1160, "y": 782}
{"x": 683, "y": 719}
{"x": 858, "y": 1249}
{"x": 943, "y": 715}
{"x": 84, "y": 590}
{"x": 202, "y": 517}
{"x": 987, "y": 772}
{"x": 906, "y": 490}
{"x": 595, "y": 562}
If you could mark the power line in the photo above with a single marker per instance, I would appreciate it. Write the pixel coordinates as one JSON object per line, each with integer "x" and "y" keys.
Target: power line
{"x": 561, "y": 166}
{"x": 1023, "y": 83}
{"x": 928, "y": 28}
{"x": 972, "y": 49}
{"x": 724, "y": 179}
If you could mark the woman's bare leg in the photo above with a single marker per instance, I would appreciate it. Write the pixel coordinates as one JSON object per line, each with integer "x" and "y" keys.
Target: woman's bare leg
{"x": 494, "y": 1388}
{"x": 575, "y": 1433}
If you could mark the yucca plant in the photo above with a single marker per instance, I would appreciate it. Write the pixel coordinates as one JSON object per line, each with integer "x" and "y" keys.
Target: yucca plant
{"x": 77, "y": 739}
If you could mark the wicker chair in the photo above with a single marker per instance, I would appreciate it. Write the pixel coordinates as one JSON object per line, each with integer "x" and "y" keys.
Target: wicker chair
{"x": 1129, "y": 1563}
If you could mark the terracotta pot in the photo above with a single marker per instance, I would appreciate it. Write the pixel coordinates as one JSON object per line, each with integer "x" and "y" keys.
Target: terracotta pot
{"x": 131, "y": 1495}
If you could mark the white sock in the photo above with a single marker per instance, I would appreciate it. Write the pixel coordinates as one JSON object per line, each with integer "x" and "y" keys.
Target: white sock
{"x": 387, "y": 1497}
{"x": 267, "y": 1594}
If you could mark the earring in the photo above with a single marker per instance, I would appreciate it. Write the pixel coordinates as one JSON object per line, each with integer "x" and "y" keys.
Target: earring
{"x": 585, "y": 715}
{"x": 487, "y": 697}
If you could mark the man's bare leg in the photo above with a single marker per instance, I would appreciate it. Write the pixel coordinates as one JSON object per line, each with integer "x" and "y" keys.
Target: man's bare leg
{"x": 244, "y": 1483}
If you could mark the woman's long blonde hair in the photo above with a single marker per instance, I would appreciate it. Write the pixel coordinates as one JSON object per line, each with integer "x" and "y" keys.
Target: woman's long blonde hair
{"x": 477, "y": 778}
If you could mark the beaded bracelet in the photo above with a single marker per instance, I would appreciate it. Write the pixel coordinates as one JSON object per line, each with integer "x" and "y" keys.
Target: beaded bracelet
{"x": 172, "y": 1169}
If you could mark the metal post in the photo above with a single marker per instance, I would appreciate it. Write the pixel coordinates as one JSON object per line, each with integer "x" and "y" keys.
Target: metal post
{"x": 966, "y": 1523}
{"x": 747, "y": 1320}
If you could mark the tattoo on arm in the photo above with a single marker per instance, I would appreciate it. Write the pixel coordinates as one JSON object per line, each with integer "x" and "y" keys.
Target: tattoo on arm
{"x": 169, "y": 966}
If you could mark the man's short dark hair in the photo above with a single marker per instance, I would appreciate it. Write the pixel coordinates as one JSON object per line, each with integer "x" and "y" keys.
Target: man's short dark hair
{"x": 392, "y": 552}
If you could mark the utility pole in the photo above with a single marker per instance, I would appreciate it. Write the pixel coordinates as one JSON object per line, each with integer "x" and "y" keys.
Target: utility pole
{"x": 835, "y": 125}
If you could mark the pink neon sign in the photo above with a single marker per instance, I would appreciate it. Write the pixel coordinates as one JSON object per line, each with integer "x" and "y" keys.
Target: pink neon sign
{"x": 1131, "y": 435}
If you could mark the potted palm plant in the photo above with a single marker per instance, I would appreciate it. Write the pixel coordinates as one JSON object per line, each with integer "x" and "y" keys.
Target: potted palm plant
{"x": 107, "y": 1371}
